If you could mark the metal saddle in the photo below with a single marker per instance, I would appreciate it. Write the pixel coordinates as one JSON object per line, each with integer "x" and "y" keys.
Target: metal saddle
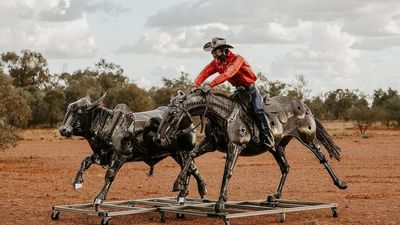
{"x": 241, "y": 96}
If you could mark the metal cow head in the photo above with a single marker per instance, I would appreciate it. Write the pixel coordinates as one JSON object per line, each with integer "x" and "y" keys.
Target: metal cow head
{"x": 76, "y": 118}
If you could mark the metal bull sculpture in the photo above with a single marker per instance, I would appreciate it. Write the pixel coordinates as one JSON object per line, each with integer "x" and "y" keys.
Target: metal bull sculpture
{"x": 118, "y": 136}
{"x": 232, "y": 130}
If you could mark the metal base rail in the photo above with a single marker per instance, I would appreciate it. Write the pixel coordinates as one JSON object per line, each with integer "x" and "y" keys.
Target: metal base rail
{"x": 196, "y": 207}
{"x": 110, "y": 209}
{"x": 251, "y": 208}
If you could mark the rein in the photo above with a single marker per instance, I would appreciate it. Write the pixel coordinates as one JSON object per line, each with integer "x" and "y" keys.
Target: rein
{"x": 188, "y": 130}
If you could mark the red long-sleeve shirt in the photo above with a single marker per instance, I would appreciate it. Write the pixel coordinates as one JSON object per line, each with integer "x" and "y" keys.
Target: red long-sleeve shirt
{"x": 234, "y": 69}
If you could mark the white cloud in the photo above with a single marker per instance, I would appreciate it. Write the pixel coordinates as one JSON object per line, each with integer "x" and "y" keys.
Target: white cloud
{"x": 67, "y": 10}
{"x": 58, "y": 29}
{"x": 167, "y": 71}
{"x": 321, "y": 39}
{"x": 179, "y": 43}
{"x": 274, "y": 33}
{"x": 156, "y": 73}
{"x": 285, "y": 21}
{"x": 326, "y": 60}
{"x": 21, "y": 30}
{"x": 377, "y": 43}
{"x": 187, "y": 42}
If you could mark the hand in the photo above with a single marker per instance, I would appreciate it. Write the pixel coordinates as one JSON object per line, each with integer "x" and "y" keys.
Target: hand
{"x": 206, "y": 88}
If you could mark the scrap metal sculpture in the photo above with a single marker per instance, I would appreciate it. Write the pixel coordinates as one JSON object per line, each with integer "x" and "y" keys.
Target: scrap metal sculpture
{"x": 231, "y": 129}
{"x": 118, "y": 136}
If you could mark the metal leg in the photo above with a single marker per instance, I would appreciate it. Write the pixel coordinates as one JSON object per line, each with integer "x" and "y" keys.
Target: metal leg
{"x": 321, "y": 157}
{"x": 279, "y": 155}
{"x": 202, "y": 147}
{"x": 85, "y": 164}
{"x": 201, "y": 184}
{"x": 192, "y": 170}
{"x": 232, "y": 155}
{"x": 112, "y": 171}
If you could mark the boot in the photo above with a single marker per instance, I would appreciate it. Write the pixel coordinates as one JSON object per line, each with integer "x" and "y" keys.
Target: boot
{"x": 266, "y": 136}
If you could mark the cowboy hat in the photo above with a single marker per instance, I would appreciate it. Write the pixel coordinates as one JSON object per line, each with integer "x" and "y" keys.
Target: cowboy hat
{"x": 215, "y": 43}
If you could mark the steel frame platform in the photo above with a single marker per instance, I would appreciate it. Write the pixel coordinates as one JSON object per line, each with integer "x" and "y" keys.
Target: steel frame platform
{"x": 196, "y": 207}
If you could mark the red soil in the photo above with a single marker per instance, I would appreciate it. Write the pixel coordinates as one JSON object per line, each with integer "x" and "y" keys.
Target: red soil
{"x": 37, "y": 174}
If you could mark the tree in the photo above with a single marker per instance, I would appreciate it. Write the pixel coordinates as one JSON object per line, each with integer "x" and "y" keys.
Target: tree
{"x": 136, "y": 98}
{"x": 338, "y": 102}
{"x": 80, "y": 84}
{"x": 162, "y": 96}
{"x": 37, "y": 105}
{"x": 363, "y": 115}
{"x": 29, "y": 68}
{"x": 316, "y": 105}
{"x": 299, "y": 89}
{"x": 55, "y": 106}
{"x": 105, "y": 77}
{"x": 386, "y": 104}
{"x": 14, "y": 111}
{"x": 272, "y": 88}
{"x": 381, "y": 97}
{"x": 393, "y": 107}
{"x": 109, "y": 75}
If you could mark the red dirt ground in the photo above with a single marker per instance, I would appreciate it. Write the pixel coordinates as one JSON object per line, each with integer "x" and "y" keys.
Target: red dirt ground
{"x": 37, "y": 174}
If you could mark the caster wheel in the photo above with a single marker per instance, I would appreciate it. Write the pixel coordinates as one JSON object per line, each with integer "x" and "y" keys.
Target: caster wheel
{"x": 283, "y": 217}
{"x": 55, "y": 215}
{"x": 180, "y": 216}
{"x": 335, "y": 212}
{"x": 226, "y": 222}
{"x": 105, "y": 221}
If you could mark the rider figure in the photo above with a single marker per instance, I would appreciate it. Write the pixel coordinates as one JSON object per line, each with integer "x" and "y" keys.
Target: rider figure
{"x": 235, "y": 69}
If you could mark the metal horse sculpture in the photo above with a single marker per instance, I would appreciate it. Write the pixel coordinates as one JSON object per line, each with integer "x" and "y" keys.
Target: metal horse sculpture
{"x": 231, "y": 129}
{"x": 118, "y": 136}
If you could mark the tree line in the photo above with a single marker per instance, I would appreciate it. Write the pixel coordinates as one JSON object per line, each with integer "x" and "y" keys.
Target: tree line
{"x": 30, "y": 96}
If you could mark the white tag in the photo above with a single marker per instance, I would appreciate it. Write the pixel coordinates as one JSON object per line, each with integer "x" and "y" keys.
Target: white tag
{"x": 77, "y": 185}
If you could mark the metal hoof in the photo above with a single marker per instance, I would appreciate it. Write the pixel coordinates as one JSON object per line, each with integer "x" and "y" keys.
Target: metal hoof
{"x": 276, "y": 195}
{"x": 202, "y": 190}
{"x": 77, "y": 186}
{"x": 181, "y": 200}
{"x": 341, "y": 184}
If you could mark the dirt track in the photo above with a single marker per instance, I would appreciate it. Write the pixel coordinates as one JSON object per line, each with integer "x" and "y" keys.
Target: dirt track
{"x": 38, "y": 172}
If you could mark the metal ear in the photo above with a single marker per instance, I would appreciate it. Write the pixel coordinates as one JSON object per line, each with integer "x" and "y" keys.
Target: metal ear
{"x": 180, "y": 93}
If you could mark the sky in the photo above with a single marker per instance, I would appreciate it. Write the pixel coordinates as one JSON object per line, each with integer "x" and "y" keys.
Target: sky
{"x": 351, "y": 44}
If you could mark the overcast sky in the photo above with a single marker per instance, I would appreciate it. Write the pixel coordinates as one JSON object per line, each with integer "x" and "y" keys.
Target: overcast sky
{"x": 334, "y": 44}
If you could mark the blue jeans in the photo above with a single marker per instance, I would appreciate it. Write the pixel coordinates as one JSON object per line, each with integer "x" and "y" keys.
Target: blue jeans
{"x": 257, "y": 107}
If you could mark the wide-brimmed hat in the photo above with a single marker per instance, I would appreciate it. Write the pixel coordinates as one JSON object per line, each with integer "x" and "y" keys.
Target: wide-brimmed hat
{"x": 215, "y": 43}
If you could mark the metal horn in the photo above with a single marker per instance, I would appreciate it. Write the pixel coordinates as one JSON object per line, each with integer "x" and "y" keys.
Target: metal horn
{"x": 98, "y": 101}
